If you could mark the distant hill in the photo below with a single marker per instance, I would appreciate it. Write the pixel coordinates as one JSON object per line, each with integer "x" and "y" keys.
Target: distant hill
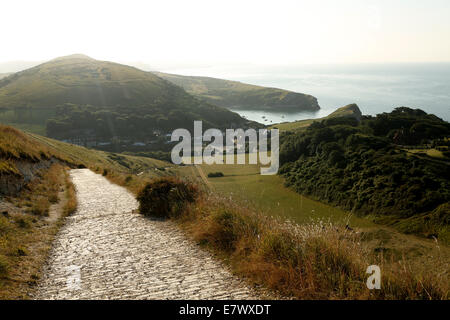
{"x": 119, "y": 91}
{"x": 234, "y": 94}
{"x": 80, "y": 80}
{"x": 350, "y": 110}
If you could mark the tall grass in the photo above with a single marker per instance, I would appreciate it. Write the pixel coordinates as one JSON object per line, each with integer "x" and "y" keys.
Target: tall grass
{"x": 71, "y": 199}
{"x": 319, "y": 260}
{"x": 16, "y": 145}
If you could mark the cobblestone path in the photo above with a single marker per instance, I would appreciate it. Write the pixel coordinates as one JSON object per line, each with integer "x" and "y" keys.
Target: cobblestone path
{"x": 105, "y": 251}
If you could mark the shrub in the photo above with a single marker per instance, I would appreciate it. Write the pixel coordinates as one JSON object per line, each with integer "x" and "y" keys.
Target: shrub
{"x": 166, "y": 197}
{"x": 226, "y": 229}
{"x": 215, "y": 174}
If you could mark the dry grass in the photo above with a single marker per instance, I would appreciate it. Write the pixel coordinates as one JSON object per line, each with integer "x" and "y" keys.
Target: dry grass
{"x": 26, "y": 233}
{"x": 133, "y": 182}
{"x": 313, "y": 261}
{"x": 71, "y": 198}
{"x": 41, "y": 192}
{"x": 16, "y": 145}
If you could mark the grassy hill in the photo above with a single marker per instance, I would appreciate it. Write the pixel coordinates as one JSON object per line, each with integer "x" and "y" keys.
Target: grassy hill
{"x": 33, "y": 95}
{"x": 81, "y": 80}
{"x": 226, "y": 93}
{"x": 351, "y": 110}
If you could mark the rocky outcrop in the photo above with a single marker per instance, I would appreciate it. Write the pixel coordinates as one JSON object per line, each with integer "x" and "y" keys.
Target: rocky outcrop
{"x": 350, "y": 110}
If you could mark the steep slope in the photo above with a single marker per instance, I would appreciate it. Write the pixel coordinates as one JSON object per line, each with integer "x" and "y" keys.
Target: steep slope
{"x": 80, "y": 80}
{"x": 226, "y": 93}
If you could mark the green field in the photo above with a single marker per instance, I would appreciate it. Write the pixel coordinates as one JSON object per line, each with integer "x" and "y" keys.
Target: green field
{"x": 269, "y": 195}
{"x": 295, "y": 125}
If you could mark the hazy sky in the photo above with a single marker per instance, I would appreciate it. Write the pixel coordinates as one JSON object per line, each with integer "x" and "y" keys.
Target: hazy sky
{"x": 209, "y": 31}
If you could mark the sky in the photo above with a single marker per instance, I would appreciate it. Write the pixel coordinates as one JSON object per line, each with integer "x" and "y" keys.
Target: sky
{"x": 196, "y": 32}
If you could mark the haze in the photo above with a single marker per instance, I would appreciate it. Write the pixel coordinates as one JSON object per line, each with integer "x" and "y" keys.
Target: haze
{"x": 202, "y": 32}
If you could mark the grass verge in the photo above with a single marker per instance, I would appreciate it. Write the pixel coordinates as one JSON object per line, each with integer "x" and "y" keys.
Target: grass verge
{"x": 317, "y": 260}
{"x": 28, "y": 225}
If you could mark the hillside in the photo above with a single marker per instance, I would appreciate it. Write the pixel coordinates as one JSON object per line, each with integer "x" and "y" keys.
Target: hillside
{"x": 368, "y": 167}
{"x": 234, "y": 94}
{"x": 33, "y": 95}
{"x": 22, "y": 155}
{"x": 80, "y": 80}
{"x": 350, "y": 110}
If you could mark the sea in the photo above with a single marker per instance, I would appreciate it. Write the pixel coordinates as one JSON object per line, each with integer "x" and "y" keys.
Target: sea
{"x": 375, "y": 88}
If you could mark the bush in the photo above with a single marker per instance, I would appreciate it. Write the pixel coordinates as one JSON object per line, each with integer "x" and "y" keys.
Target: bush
{"x": 215, "y": 174}
{"x": 227, "y": 231}
{"x": 166, "y": 197}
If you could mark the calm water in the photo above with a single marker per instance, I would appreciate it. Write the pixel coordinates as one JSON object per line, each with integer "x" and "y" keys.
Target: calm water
{"x": 271, "y": 117}
{"x": 375, "y": 88}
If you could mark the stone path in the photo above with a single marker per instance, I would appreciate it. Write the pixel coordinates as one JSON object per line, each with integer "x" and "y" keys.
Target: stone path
{"x": 105, "y": 251}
